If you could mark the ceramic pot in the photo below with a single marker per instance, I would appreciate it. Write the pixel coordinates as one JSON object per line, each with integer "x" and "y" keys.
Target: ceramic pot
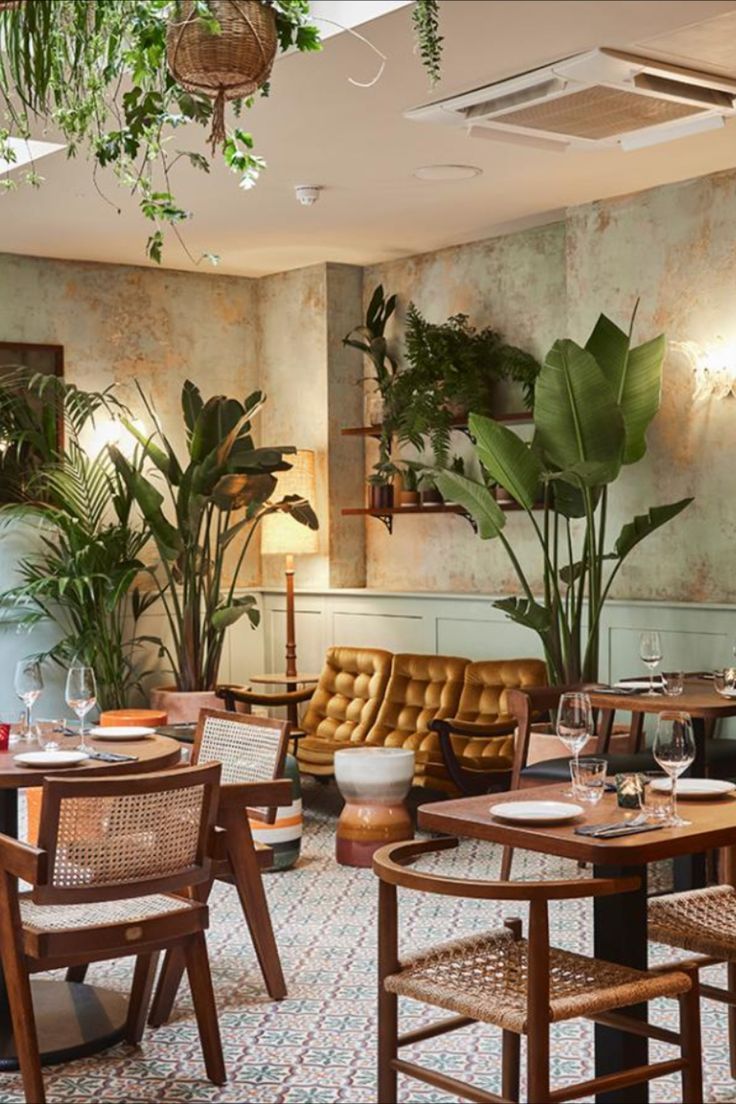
{"x": 431, "y": 497}
{"x": 374, "y": 783}
{"x": 408, "y": 498}
{"x": 183, "y": 706}
{"x": 382, "y": 496}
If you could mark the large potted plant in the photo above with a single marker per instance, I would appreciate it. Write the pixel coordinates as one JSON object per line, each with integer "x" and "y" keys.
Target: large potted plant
{"x": 592, "y": 409}
{"x": 81, "y": 571}
{"x": 202, "y": 531}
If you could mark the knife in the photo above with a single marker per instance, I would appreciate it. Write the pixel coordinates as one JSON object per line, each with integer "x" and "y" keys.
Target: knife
{"x": 621, "y": 830}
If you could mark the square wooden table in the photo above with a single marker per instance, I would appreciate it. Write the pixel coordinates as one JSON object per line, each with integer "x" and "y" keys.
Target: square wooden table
{"x": 620, "y": 921}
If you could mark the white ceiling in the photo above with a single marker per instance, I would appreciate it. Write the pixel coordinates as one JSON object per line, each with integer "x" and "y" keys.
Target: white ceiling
{"x": 317, "y": 128}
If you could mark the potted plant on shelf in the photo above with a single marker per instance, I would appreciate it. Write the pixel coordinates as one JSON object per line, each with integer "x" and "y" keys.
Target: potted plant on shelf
{"x": 592, "y": 409}
{"x": 370, "y": 339}
{"x": 82, "y": 573}
{"x": 452, "y": 368}
{"x": 381, "y": 484}
{"x": 409, "y": 493}
{"x": 216, "y": 501}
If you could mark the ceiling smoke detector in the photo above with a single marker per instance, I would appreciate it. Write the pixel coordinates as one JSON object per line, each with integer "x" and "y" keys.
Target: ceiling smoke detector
{"x": 307, "y": 194}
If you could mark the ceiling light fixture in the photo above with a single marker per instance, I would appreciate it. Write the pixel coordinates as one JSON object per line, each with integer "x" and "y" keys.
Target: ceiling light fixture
{"x": 25, "y": 152}
{"x": 447, "y": 172}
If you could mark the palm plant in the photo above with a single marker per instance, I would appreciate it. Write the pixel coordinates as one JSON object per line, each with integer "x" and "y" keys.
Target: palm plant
{"x": 82, "y": 578}
{"x": 217, "y": 499}
{"x": 592, "y": 409}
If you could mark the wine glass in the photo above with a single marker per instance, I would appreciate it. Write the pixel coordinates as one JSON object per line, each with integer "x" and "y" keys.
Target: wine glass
{"x": 674, "y": 750}
{"x": 81, "y": 695}
{"x": 650, "y": 651}
{"x": 28, "y": 687}
{"x": 574, "y": 724}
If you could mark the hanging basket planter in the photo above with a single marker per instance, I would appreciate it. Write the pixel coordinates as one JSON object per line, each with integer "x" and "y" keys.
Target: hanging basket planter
{"x": 230, "y": 65}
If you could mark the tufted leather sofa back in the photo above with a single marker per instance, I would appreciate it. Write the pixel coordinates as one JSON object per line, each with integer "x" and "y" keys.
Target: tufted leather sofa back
{"x": 421, "y": 688}
{"x": 351, "y": 688}
{"x": 485, "y": 689}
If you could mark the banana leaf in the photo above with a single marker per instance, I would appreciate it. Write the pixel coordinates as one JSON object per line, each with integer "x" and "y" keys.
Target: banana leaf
{"x": 507, "y": 459}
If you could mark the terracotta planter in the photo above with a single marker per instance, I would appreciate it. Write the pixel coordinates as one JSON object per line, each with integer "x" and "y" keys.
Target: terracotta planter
{"x": 431, "y": 497}
{"x": 408, "y": 498}
{"x": 382, "y": 496}
{"x": 183, "y": 706}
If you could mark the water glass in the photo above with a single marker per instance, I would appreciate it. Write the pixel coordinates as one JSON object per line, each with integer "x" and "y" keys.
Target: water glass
{"x": 655, "y": 801}
{"x": 28, "y": 686}
{"x": 574, "y": 722}
{"x": 673, "y": 683}
{"x": 725, "y": 682}
{"x": 49, "y": 733}
{"x": 81, "y": 695}
{"x": 674, "y": 751}
{"x": 588, "y": 779}
{"x": 650, "y": 651}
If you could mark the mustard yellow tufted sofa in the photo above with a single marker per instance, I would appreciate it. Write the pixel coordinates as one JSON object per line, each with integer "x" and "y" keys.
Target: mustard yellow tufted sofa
{"x": 422, "y": 702}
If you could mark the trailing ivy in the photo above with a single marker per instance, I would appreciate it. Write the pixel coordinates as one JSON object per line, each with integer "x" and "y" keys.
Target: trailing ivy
{"x": 425, "y": 18}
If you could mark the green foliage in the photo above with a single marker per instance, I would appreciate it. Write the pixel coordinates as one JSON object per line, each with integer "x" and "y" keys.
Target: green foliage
{"x": 452, "y": 369}
{"x": 83, "y": 576}
{"x": 97, "y": 73}
{"x": 592, "y": 409}
{"x": 370, "y": 339}
{"x": 219, "y": 495}
{"x": 425, "y": 18}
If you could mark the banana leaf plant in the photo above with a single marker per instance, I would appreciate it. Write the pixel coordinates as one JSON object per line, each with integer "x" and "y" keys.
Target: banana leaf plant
{"x": 593, "y": 406}
{"x": 81, "y": 575}
{"x": 204, "y": 522}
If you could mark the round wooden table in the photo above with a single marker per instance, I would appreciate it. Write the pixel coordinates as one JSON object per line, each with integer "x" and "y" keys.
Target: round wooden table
{"x": 72, "y": 1019}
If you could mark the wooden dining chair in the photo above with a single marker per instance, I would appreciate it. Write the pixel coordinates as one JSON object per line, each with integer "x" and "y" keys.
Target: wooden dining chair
{"x": 252, "y": 751}
{"x": 520, "y": 985}
{"x": 114, "y": 856}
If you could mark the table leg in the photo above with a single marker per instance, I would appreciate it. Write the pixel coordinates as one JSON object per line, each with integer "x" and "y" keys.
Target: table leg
{"x": 690, "y": 870}
{"x": 620, "y": 932}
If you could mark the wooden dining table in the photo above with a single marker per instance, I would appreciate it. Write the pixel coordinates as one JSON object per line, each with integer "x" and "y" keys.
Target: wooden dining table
{"x": 620, "y": 921}
{"x": 73, "y": 1019}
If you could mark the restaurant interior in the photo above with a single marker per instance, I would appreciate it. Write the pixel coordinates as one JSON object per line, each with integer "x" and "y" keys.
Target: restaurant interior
{"x": 367, "y": 602}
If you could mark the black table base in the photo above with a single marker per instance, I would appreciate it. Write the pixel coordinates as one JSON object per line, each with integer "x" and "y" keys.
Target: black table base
{"x": 621, "y": 936}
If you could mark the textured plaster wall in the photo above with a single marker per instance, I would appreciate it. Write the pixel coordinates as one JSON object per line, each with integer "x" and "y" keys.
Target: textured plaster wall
{"x": 673, "y": 247}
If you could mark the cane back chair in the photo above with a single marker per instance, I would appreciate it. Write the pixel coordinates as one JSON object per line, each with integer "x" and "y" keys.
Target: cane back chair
{"x": 251, "y": 751}
{"x": 520, "y": 985}
{"x": 113, "y": 859}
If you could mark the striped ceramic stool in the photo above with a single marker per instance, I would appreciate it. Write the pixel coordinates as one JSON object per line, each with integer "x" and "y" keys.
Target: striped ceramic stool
{"x": 284, "y": 836}
{"x": 374, "y": 782}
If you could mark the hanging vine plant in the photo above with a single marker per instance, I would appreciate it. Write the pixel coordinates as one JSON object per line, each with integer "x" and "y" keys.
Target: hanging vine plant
{"x": 124, "y": 78}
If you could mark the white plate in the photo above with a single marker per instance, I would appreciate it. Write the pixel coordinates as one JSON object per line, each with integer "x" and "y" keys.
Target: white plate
{"x": 726, "y": 692}
{"x": 122, "y": 732}
{"x": 536, "y": 812}
{"x": 50, "y": 758}
{"x": 695, "y": 787}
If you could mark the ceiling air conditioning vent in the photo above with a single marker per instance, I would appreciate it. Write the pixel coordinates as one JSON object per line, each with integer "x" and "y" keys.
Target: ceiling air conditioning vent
{"x": 595, "y": 100}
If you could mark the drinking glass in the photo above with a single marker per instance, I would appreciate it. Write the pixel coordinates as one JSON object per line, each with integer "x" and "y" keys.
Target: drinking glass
{"x": 48, "y": 732}
{"x": 673, "y": 683}
{"x": 81, "y": 695}
{"x": 588, "y": 779}
{"x": 650, "y": 651}
{"x": 655, "y": 801}
{"x": 28, "y": 687}
{"x": 574, "y": 723}
{"x": 674, "y": 750}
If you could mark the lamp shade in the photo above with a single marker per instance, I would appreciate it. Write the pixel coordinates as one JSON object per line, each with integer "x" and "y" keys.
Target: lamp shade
{"x": 280, "y": 534}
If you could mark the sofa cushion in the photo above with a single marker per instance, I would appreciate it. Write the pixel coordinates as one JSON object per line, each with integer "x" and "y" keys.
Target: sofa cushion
{"x": 485, "y": 686}
{"x": 421, "y": 688}
{"x": 346, "y": 700}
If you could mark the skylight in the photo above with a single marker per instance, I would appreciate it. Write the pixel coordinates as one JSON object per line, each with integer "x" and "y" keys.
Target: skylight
{"x": 27, "y": 151}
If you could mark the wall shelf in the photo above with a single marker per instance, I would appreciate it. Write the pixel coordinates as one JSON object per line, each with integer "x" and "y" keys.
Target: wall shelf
{"x": 388, "y": 514}
{"x": 523, "y": 417}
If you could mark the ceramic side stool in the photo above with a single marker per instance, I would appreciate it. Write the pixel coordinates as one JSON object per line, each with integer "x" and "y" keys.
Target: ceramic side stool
{"x": 374, "y": 783}
{"x": 284, "y": 836}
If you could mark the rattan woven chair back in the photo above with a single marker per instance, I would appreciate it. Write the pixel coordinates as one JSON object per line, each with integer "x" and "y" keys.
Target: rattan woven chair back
{"x": 127, "y": 837}
{"x": 250, "y": 749}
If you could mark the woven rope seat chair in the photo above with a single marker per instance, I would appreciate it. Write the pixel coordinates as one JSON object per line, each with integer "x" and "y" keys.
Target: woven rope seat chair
{"x": 702, "y": 921}
{"x": 115, "y": 857}
{"x": 251, "y": 751}
{"x": 519, "y": 985}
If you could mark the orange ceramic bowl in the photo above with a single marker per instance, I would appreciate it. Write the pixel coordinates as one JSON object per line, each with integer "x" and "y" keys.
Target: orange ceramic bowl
{"x": 149, "y": 718}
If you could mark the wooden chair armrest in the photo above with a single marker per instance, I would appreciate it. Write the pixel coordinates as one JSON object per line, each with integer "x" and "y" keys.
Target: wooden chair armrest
{"x": 476, "y": 729}
{"x": 23, "y": 860}
{"x": 471, "y": 781}
{"x": 232, "y": 694}
{"x": 389, "y": 863}
{"x": 245, "y": 795}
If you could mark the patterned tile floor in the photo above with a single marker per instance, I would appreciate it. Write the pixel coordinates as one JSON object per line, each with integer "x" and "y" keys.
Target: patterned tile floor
{"x": 318, "y": 1044}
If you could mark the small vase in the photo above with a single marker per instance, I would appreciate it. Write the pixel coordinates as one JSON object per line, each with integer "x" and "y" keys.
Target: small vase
{"x": 373, "y": 407}
{"x": 382, "y": 496}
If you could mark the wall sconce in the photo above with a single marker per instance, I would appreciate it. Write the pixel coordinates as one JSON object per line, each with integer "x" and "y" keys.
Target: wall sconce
{"x": 111, "y": 431}
{"x": 714, "y": 369}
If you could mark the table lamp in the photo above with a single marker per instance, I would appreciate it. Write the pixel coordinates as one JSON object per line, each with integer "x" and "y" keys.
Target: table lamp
{"x": 281, "y": 535}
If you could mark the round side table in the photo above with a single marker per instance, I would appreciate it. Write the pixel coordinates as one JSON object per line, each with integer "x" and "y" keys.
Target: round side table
{"x": 374, "y": 783}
